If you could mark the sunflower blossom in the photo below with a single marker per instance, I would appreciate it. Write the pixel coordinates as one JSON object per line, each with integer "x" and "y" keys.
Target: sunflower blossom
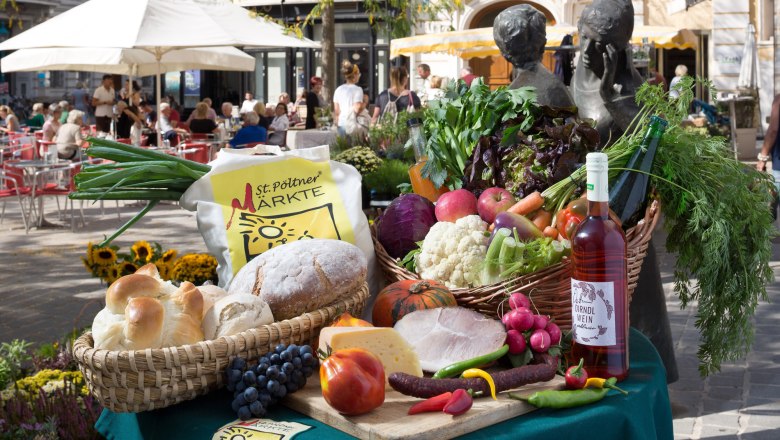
{"x": 142, "y": 251}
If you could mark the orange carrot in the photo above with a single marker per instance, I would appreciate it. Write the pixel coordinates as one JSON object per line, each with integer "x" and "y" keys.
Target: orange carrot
{"x": 491, "y": 227}
{"x": 550, "y": 232}
{"x": 528, "y": 204}
{"x": 542, "y": 219}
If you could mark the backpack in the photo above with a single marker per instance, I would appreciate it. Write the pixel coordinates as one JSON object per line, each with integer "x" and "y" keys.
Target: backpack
{"x": 391, "y": 109}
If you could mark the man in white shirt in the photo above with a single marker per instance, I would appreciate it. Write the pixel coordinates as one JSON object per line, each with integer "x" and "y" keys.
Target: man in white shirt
{"x": 248, "y": 105}
{"x": 424, "y": 72}
{"x": 103, "y": 100}
{"x": 279, "y": 125}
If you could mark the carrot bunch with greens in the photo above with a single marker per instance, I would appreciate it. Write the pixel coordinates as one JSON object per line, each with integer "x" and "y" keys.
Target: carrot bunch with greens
{"x": 134, "y": 174}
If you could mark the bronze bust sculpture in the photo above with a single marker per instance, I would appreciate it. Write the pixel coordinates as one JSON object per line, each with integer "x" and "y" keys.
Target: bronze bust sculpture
{"x": 605, "y": 80}
{"x": 520, "y": 34}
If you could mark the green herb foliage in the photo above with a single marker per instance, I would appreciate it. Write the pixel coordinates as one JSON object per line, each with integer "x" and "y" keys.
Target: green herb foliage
{"x": 455, "y": 122}
{"x": 717, "y": 218}
{"x": 386, "y": 179}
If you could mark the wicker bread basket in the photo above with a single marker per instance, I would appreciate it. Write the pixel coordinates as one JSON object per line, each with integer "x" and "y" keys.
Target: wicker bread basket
{"x": 549, "y": 289}
{"x": 135, "y": 381}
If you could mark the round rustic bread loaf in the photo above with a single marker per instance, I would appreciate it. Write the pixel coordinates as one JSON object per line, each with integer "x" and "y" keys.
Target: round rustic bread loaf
{"x": 302, "y": 276}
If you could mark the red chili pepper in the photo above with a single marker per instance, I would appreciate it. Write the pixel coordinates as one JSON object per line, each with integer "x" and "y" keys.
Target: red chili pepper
{"x": 576, "y": 376}
{"x": 434, "y": 404}
{"x": 459, "y": 403}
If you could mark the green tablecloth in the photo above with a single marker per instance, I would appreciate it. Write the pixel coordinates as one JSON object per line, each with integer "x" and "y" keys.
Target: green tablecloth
{"x": 644, "y": 414}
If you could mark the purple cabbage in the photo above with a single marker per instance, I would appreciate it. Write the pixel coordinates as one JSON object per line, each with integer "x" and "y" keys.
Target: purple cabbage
{"x": 405, "y": 222}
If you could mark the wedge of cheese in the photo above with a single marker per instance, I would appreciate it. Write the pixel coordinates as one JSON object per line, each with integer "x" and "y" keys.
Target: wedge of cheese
{"x": 387, "y": 344}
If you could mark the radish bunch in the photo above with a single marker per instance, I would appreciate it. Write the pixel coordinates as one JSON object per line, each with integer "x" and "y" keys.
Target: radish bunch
{"x": 526, "y": 330}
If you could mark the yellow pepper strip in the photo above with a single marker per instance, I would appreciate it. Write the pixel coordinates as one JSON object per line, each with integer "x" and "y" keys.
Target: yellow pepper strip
{"x": 595, "y": 382}
{"x": 476, "y": 372}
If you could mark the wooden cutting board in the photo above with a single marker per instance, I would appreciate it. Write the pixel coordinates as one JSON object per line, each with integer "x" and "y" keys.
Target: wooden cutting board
{"x": 390, "y": 421}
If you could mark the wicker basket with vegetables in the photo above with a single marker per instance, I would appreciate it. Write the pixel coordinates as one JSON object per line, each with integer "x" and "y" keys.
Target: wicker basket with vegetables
{"x": 521, "y": 166}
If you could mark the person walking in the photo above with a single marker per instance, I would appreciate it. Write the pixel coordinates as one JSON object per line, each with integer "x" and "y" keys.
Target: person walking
{"x": 348, "y": 101}
{"x": 679, "y": 72}
{"x": 313, "y": 101}
{"x": 770, "y": 152}
{"x": 396, "y": 98}
{"x": 424, "y": 86}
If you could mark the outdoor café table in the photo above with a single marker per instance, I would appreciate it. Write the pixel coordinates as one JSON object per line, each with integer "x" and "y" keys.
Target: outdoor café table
{"x": 30, "y": 168}
{"x": 313, "y": 137}
{"x": 644, "y": 414}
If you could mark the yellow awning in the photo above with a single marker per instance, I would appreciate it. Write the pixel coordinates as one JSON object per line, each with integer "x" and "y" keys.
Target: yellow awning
{"x": 470, "y": 43}
{"x": 665, "y": 37}
{"x": 477, "y": 43}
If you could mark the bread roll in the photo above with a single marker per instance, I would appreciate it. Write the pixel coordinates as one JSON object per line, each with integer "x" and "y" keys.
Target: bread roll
{"x": 302, "y": 276}
{"x": 211, "y": 294}
{"x": 143, "y": 311}
{"x": 234, "y": 314}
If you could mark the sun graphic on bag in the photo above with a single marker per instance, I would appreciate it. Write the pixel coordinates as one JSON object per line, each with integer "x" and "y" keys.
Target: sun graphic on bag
{"x": 262, "y": 233}
{"x": 242, "y": 433}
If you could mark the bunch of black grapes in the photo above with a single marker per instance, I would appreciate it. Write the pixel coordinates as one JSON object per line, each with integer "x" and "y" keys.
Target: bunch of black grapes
{"x": 276, "y": 375}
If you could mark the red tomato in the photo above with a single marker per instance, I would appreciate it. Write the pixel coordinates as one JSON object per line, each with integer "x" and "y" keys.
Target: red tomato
{"x": 353, "y": 381}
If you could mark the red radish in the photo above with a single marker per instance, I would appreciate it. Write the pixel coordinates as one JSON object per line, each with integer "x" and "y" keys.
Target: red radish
{"x": 540, "y": 322}
{"x": 520, "y": 321}
{"x": 524, "y": 310}
{"x": 517, "y": 300}
{"x": 576, "y": 376}
{"x": 555, "y": 333}
{"x": 505, "y": 319}
{"x": 516, "y": 342}
{"x": 540, "y": 341}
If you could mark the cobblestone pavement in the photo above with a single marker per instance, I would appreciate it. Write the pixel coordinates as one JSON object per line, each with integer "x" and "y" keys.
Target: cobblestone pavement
{"x": 46, "y": 293}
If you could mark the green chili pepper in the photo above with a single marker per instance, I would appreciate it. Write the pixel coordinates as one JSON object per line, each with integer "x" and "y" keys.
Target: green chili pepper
{"x": 566, "y": 398}
{"x": 459, "y": 367}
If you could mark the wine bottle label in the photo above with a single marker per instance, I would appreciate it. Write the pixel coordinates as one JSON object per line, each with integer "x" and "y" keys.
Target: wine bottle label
{"x": 593, "y": 320}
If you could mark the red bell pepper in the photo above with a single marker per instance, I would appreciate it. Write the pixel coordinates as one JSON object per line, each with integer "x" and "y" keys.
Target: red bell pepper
{"x": 567, "y": 219}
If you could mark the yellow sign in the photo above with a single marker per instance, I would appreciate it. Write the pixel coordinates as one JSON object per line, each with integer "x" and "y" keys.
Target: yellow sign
{"x": 275, "y": 203}
{"x": 259, "y": 429}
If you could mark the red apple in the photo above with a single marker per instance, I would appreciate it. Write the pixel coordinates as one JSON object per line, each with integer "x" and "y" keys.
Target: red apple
{"x": 492, "y": 201}
{"x": 455, "y": 204}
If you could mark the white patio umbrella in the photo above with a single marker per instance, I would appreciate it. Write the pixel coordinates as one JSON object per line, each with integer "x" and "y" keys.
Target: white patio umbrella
{"x": 748, "y": 71}
{"x": 132, "y": 62}
{"x": 156, "y": 26}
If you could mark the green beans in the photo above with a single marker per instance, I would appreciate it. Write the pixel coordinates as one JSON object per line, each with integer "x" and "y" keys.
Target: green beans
{"x": 459, "y": 367}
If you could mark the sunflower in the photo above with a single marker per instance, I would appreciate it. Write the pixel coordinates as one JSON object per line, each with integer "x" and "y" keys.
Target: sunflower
{"x": 169, "y": 256}
{"x": 89, "y": 260}
{"x": 112, "y": 274}
{"x": 126, "y": 268}
{"x": 104, "y": 256}
{"x": 163, "y": 269}
{"x": 142, "y": 251}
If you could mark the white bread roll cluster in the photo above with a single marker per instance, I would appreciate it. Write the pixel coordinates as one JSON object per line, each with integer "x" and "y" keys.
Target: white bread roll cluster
{"x": 143, "y": 311}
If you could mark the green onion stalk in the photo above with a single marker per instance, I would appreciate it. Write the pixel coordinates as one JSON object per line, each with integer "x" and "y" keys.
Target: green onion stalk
{"x": 134, "y": 174}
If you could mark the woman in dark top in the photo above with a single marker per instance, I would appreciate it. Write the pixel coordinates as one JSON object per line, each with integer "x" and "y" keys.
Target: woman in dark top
{"x": 313, "y": 101}
{"x": 200, "y": 123}
{"x": 397, "y": 93}
{"x": 128, "y": 115}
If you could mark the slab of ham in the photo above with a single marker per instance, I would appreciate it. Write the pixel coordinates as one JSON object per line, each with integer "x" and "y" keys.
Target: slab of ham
{"x": 443, "y": 336}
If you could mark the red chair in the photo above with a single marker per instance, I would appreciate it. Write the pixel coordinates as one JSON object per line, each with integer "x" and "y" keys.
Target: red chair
{"x": 195, "y": 151}
{"x": 126, "y": 141}
{"x": 12, "y": 186}
{"x": 38, "y": 134}
{"x": 54, "y": 189}
{"x": 199, "y": 136}
{"x": 43, "y": 147}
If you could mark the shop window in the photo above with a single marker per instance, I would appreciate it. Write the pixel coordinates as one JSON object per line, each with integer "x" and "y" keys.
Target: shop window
{"x": 57, "y": 79}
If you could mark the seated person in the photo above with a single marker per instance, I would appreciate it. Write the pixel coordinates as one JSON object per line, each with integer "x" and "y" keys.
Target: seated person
{"x": 38, "y": 117}
{"x": 279, "y": 125}
{"x": 250, "y": 132}
{"x": 261, "y": 111}
{"x": 69, "y": 138}
{"x": 165, "y": 125}
{"x": 10, "y": 120}
{"x": 51, "y": 126}
{"x": 200, "y": 122}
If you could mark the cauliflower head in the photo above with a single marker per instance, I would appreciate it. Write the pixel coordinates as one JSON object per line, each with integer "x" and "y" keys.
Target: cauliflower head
{"x": 454, "y": 253}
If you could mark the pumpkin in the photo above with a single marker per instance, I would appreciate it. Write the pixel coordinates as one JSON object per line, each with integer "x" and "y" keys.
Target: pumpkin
{"x": 406, "y": 296}
{"x": 347, "y": 320}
